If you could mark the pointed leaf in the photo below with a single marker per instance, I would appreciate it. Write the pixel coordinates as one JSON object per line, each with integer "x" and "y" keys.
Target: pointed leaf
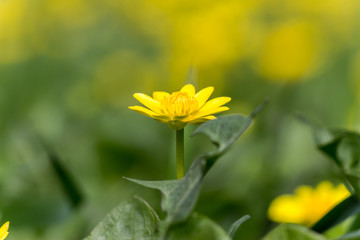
{"x": 343, "y": 147}
{"x": 133, "y": 219}
{"x": 223, "y": 132}
{"x": 235, "y": 226}
{"x": 70, "y": 188}
{"x": 179, "y": 196}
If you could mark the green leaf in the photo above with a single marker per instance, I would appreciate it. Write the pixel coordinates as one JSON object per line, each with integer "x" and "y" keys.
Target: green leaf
{"x": 133, "y": 219}
{"x": 197, "y": 227}
{"x": 293, "y": 232}
{"x": 355, "y": 222}
{"x": 235, "y": 226}
{"x": 343, "y": 148}
{"x": 321, "y": 134}
{"x": 355, "y": 235}
{"x": 339, "y": 213}
{"x": 70, "y": 188}
{"x": 223, "y": 132}
{"x": 179, "y": 196}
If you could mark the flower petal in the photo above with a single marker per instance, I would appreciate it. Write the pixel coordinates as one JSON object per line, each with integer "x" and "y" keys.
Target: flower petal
{"x": 189, "y": 89}
{"x": 4, "y": 230}
{"x": 149, "y": 102}
{"x": 201, "y": 113}
{"x": 4, "y": 235}
{"x": 158, "y": 95}
{"x": 203, "y": 95}
{"x": 149, "y": 113}
{"x": 142, "y": 110}
{"x": 215, "y": 103}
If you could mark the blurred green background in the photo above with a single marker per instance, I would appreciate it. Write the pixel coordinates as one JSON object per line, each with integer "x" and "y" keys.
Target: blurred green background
{"x": 68, "y": 69}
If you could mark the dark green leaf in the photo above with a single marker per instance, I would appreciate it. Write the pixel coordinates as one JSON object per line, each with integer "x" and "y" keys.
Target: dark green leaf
{"x": 197, "y": 227}
{"x": 343, "y": 148}
{"x": 293, "y": 232}
{"x": 131, "y": 220}
{"x": 235, "y": 226}
{"x": 71, "y": 189}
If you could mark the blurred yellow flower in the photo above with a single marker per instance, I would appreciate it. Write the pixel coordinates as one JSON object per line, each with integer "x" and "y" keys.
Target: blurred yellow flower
{"x": 290, "y": 52}
{"x": 71, "y": 13}
{"x": 207, "y": 34}
{"x": 307, "y": 205}
{"x": 12, "y": 33}
{"x": 4, "y": 230}
{"x": 182, "y": 107}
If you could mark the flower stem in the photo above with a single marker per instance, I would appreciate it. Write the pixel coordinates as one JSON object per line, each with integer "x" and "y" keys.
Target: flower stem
{"x": 180, "y": 172}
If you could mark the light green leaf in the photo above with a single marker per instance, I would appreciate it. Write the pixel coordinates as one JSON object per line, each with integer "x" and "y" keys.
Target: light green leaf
{"x": 131, "y": 220}
{"x": 355, "y": 235}
{"x": 293, "y": 232}
{"x": 197, "y": 227}
{"x": 235, "y": 226}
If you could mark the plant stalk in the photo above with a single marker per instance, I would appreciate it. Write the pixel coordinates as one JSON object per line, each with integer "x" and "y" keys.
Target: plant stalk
{"x": 180, "y": 172}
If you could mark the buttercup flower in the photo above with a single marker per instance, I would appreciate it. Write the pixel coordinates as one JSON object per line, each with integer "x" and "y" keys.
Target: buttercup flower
{"x": 182, "y": 107}
{"x": 4, "y": 230}
{"x": 307, "y": 205}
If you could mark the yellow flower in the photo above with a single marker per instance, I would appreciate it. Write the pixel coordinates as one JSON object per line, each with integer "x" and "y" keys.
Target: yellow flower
{"x": 4, "y": 230}
{"x": 290, "y": 53}
{"x": 307, "y": 205}
{"x": 182, "y": 107}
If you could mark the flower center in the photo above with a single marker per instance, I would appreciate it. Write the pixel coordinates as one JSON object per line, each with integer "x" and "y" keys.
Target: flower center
{"x": 179, "y": 104}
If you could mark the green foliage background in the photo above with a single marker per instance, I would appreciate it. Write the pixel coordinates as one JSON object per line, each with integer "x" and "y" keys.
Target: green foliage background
{"x": 68, "y": 70}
